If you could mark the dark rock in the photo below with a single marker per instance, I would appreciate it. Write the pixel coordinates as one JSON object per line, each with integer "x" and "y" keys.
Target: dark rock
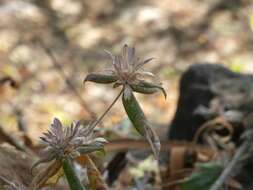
{"x": 200, "y": 85}
{"x": 209, "y": 90}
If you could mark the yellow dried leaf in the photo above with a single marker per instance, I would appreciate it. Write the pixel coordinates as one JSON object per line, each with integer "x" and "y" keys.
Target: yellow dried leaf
{"x": 55, "y": 178}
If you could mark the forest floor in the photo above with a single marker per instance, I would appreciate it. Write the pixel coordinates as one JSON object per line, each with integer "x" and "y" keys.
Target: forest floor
{"x": 176, "y": 33}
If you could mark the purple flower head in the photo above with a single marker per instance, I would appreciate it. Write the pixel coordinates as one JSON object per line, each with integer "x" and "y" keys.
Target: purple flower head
{"x": 61, "y": 142}
{"x": 128, "y": 67}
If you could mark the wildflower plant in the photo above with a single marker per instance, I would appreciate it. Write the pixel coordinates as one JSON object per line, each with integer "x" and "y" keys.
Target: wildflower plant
{"x": 64, "y": 144}
{"x": 127, "y": 71}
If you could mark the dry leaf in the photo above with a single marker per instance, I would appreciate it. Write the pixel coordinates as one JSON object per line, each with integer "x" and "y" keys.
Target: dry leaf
{"x": 95, "y": 178}
{"x": 43, "y": 177}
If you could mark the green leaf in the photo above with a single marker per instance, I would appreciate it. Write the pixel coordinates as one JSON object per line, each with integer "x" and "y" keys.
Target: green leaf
{"x": 100, "y": 78}
{"x": 139, "y": 120}
{"x": 203, "y": 179}
{"x": 100, "y": 153}
{"x": 144, "y": 90}
{"x": 147, "y": 88}
{"x": 95, "y": 146}
{"x": 73, "y": 181}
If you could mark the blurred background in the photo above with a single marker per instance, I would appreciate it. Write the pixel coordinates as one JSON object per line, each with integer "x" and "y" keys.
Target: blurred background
{"x": 45, "y": 81}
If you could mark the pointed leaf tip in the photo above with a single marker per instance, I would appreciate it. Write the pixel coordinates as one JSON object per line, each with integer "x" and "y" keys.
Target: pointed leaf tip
{"x": 164, "y": 92}
{"x": 154, "y": 141}
{"x": 116, "y": 84}
{"x": 148, "y": 88}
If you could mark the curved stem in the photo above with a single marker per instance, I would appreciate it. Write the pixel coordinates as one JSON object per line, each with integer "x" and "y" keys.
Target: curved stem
{"x": 107, "y": 110}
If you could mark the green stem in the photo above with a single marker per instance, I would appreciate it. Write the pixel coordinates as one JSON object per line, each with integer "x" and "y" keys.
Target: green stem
{"x": 73, "y": 181}
{"x": 107, "y": 110}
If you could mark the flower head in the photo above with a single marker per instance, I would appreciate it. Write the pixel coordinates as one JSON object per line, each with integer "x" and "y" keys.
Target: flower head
{"x": 127, "y": 70}
{"x": 70, "y": 141}
{"x": 127, "y": 67}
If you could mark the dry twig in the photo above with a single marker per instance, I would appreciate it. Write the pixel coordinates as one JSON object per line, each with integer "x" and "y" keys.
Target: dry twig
{"x": 231, "y": 165}
{"x": 67, "y": 80}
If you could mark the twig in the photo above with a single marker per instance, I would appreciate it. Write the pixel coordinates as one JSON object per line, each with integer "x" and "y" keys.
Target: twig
{"x": 94, "y": 172}
{"x": 11, "y": 81}
{"x": 128, "y": 144}
{"x": 96, "y": 181}
{"x": 9, "y": 183}
{"x": 212, "y": 124}
{"x": 231, "y": 165}
{"x": 67, "y": 80}
{"x": 11, "y": 140}
{"x": 20, "y": 120}
{"x": 176, "y": 182}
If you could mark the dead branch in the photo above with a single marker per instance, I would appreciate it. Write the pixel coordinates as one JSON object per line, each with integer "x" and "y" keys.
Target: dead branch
{"x": 231, "y": 165}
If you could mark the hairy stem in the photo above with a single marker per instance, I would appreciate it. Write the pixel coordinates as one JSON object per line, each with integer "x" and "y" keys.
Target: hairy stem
{"x": 107, "y": 110}
{"x": 73, "y": 181}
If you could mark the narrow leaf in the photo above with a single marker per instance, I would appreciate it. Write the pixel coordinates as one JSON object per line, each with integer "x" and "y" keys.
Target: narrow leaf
{"x": 95, "y": 146}
{"x": 117, "y": 84}
{"x": 143, "y": 90}
{"x": 140, "y": 122}
{"x": 203, "y": 179}
{"x": 100, "y": 78}
{"x": 147, "y": 88}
